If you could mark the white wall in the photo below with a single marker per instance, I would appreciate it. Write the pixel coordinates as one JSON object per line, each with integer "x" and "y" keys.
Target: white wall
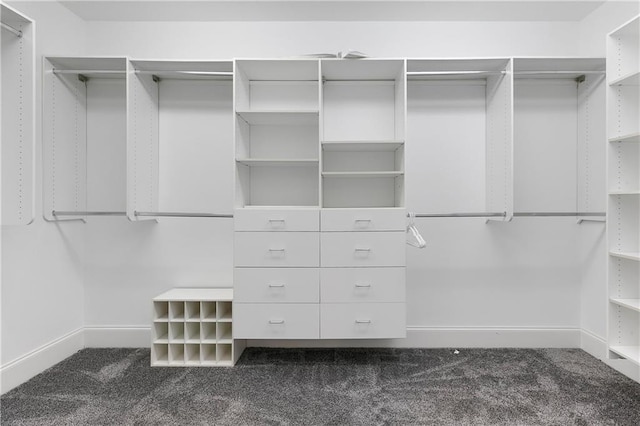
{"x": 42, "y": 263}
{"x": 594, "y": 28}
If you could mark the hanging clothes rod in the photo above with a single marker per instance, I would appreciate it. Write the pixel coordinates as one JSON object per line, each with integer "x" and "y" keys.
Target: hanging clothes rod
{"x": 87, "y": 213}
{"x": 516, "y": 214}
{"x": 180, "y": 214}
{"x": 437, "y": 73}
{"x": 558, "y": 72}
{"x": 12, "y": 30}
{"x": 65, "y": 71}
{"x": 211, "y": 73}
{"x": 460, "y": 215}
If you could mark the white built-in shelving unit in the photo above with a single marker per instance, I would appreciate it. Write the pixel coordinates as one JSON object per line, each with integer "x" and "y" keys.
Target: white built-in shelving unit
{"x": 194, "y": 327}
{"x": 559, "y": 116}
{"x": 179, "y": 121}
{"x": 85, "y": 110}
{"x": 462, "y": 110}
{"x": 623, "y": 213}
{"x": 18, "y": 116}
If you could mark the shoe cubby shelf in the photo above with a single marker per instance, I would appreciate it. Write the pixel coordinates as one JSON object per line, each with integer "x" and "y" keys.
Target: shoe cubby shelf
{"x": 194, "y": 327}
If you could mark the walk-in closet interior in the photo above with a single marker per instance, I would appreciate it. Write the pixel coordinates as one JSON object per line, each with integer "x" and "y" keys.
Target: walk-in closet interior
{"x": 200, "y": 179}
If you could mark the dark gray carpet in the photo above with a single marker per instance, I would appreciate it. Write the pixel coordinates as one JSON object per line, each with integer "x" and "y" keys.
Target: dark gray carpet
{"x": 331, "y": 387}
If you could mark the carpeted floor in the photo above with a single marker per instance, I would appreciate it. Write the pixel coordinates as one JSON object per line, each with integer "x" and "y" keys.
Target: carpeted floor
{"x": 331, "y": 387}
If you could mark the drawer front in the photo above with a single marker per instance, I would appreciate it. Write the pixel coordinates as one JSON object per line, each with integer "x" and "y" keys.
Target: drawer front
{"x": 363, "y": 220}
{"x": 363, "y": 320}
{"x": 276, "y": 249}
{"x": 363, "y": 249}
{"x": 276, "y": 220}
{"x": 276, "y": 321}
{"x": 362, "y": 285}
{"x": 276, "y": 285}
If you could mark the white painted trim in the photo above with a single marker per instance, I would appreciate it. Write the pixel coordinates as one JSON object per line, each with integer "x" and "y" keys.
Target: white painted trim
{"x": 451, "y": 337}
{"x": 21, "y": 369}
{"x": 117, "y": 337}
{"x": 594, "y": 345}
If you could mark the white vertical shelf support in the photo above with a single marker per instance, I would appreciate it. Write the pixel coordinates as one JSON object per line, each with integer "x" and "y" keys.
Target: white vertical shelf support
{"x": 499, "y": 144}
{"x": 18, "y": 117}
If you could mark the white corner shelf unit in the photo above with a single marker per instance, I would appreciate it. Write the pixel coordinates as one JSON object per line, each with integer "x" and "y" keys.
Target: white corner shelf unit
{"x": 559, "y": 115}
{"x": 85, "y": 110}
{"x": 319, "y": 160}
{"x": 462, "y": 110}
{"x": 623, "y": 213}
{"x": 177, "y": 133}
{"x": 18, "y": 116}
{"x": 194, "y": 327}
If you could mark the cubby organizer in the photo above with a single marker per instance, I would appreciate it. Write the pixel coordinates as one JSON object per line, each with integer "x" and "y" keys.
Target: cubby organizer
{"x": 623, "y": 215}
{"x": 193, "y": 327}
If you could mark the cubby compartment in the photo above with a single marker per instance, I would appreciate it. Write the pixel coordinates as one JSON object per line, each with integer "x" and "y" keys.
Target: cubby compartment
{"x": 224, "y": 354}
{"x": 176, "y": 354}
{"x": 623, "y": 54}
{"x": 161, "y": 311}
{"x": 224, "y": 332}
{"x": 208, "y": 311}
{"x": 192, "y": 311}
{"x": 269, "y": 184}
{"x": 624, "y": 332}
{"x": 208, "y": 332}
{"x": 196, "y": 329}
{"x": 624, "y": 110}
{"x": 225, "y": 311}
{"x": 208, "y": 354}
{"x": 192, "y": 332}
{"x": 624, "y": 282}
{"x": 159, "y": 354}
{"x": 192, "y": 354}
{"x": 176, "y": 332}
{"x": 160, "y": 332}
{"x": 176, "y": 311}
{"x": 343, "y": 191}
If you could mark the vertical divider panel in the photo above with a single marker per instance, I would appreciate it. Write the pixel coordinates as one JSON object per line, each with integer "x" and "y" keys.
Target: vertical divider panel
{"x": 500, "y": 143}
{"x": 64, "y": 142}
{"x": 18, "y": 119}
{"x": 142, "y": 143}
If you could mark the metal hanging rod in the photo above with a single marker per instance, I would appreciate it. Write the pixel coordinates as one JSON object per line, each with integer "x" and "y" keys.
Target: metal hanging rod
{"x": 65, "y": 71}
{"x": 12, "y": 30}
{"x": 558, "y": 72}
{"x": 517, "y": 214}
{"x": 437, "y": 73}
{"x": 358, "y": 80}
{"x": 180, "y": 214}
{"x": 87, "y": 213}
{"x": 211, "y": 73}
{"x": 460, "y": 214}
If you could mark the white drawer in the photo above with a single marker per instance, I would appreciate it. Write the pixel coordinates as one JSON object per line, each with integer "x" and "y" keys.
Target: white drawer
{"x": 362, "y": 320}
{"x": 358, "y": 285}
{"x": 275, "y": 321}
{"x": 363, "y": 219}
{"x": 363, "y": 249}
{"x": 276, "y": 220}
{"x": 276, "y": 249}
{"x": 276, "y": 285}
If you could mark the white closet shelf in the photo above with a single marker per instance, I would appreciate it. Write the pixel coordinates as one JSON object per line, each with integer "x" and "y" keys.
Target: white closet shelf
{"x": 373, "y": 174}
{"x": 632, "y": 353}
{"x": 278, "y": 162}
{"x": 625, "y": 192}
{"x": 626, "y": 255}
{"x": 627, "y": 303}
{"x": 631, "y": 79}
{"x": 631, "y": 137}
{"x": 357, "y": 146}
{"x": 284, "y": 117}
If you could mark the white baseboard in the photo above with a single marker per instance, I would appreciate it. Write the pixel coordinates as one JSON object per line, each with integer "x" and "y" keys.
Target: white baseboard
{"x": 445, "y": 337}
{"x": 117, "y": 337}
{"x": 20, "y": 370}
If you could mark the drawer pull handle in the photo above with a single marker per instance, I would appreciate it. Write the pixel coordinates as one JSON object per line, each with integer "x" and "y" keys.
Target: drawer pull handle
{"x": 276, "y": 321}
{"x": 363, "y": 285}
{"x": 362, "y": 223}
{"x": 362, "y": 250}
{"x": 276, "y": 284}
{"x": 363, "y": 321}
{"x": 276, "y": 250}
{"x": 276, "y": 223}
